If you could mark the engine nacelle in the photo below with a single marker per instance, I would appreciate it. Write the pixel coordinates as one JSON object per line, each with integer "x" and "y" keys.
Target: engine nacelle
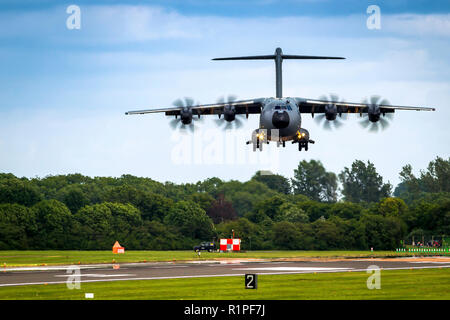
{"x": 330, "y": 112}
{"x": 229, "y": 113}
{"x": 374, "y": 113}
{"x": 186, "y": 115}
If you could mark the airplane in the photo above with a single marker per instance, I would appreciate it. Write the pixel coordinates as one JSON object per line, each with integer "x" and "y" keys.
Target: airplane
{"x": 281, "y": 117}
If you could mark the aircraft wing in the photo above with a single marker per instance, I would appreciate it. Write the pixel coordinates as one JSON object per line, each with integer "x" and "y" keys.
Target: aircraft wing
{"x": 251, "y": 106}
{"x": 318, "y": 106}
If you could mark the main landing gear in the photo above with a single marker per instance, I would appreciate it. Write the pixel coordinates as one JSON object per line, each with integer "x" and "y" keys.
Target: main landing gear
{"x": 259, "y": 138}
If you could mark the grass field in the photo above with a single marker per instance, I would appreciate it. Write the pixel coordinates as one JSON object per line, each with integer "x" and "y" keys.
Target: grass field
{"x": 34, "y": 258}
{"x": 395, "y": 284}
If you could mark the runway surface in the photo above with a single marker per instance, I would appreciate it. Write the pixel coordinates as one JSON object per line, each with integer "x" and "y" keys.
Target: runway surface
{"x": 152, "y": 271}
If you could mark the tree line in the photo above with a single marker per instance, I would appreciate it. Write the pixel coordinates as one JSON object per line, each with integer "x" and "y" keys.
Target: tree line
{"x": 314, "y": 210}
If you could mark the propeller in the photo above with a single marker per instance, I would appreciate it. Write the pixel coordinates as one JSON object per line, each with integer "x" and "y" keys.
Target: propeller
{"x": 374, "y": 120}
{"x": 329, "y": 119}
{"x": 230, "y": 119}
{"x": 186, "y": 117}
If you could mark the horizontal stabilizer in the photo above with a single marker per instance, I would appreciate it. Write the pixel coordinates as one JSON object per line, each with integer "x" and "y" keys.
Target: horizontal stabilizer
{"x": 248, "y": 58}
{"x": 283, "y": 56}
{"x": 288, "y": 56}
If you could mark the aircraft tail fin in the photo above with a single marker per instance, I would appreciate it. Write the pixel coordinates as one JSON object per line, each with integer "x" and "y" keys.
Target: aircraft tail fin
{"x": 278, "y": 57}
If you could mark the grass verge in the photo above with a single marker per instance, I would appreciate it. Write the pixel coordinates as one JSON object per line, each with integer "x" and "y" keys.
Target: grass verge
{"x": 395, "y": 284}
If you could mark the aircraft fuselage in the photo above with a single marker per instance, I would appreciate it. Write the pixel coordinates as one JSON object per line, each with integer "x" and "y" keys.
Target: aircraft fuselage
{"x": 281, "y": 114}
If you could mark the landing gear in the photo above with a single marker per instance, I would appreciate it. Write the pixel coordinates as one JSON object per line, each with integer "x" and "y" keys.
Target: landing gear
{"x": 303, "y": 139}
{"x": 302, "y": 145}
{"x": 259, "y": 137}
{"x": 283, "y": 143}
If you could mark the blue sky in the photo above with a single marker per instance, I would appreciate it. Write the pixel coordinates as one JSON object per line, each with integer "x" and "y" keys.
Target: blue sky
{"x": 64, "y": 92}
{"x": 253, "y": 7}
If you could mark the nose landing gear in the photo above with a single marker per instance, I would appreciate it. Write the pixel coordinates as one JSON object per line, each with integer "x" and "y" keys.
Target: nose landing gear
{"x": 303, "y": 139}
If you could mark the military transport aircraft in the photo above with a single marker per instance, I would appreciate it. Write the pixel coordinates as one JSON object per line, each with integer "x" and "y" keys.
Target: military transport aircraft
{"x": 280, "y": 118}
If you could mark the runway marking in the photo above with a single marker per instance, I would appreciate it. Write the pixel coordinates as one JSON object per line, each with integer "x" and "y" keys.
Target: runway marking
{"x": 172, "y": 267}
{"x": 96, "y": 275}
{"x": 47, "y": 268}
{"x": 294, "y": 269}
{"x": 438, "y": 262}
{"x": 211, "y": 275}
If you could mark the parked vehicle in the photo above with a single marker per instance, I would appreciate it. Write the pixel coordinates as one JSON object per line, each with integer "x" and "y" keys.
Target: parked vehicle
{"x": 205, "y": 246}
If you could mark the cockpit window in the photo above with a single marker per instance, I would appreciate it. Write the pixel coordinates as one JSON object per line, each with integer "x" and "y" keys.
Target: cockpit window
{"x": 277, "y": 108}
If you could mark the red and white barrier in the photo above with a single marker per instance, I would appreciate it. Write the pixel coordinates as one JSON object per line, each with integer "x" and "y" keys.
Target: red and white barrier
{"x": 230, "y": 244}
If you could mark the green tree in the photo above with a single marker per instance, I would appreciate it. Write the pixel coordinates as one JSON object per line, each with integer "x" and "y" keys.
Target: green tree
{"x": 394, "y": 207}
{"x": 293, "y": 213}
{"x": 210, "y": 186}
{"x": 409, "y": 183}
{"x": 383, "y": 233}
{"x": 275, "y": 182}
{"x": 153, "y": 206}
{"x": 286, "y": 236}
{"x": 191, "y": 220}
{"x": 21, "y": 191}
{"x": 17, "y": 225}
{"x": 54, "y": 224}
{"x": 363, "y": 183}
{"x": 123, "y": 194}
{"x": 437, "y": 176}
{"x": 203, "y": 199}
{"x": 315, "y": 210}
{"x": 346, "y": 210}
{"x": 73, "y": 197}
{"x": 271, "y": 207}
{"x": 312, "y": 180}
{"x": 94, "y": 227}
{"x": 244, "y": 196}
{"x": 327, "y": 235}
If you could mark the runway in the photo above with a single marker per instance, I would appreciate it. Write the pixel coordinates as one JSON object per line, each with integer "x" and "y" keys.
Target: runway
{"x": 152, "y": 271}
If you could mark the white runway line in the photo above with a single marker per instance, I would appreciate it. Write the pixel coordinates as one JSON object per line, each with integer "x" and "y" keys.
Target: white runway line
{"x": 93, "y": 275}
{"x": 294, "y": 269}
{"x": 172, "y": 267}
{"x": 437, "y": 262}
{"x": 85, "y": 266}
{"x": 50, "y": 268}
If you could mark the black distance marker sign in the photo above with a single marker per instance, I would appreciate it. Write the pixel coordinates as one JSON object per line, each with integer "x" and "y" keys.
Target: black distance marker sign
{"x": 251, "y": 281}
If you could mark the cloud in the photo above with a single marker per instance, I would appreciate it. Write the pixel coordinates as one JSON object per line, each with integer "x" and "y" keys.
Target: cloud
{"x": 435, "y": 25}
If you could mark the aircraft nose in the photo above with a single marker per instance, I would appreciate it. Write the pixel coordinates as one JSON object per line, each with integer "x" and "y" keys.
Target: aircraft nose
{"x": 280, "y": 119}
